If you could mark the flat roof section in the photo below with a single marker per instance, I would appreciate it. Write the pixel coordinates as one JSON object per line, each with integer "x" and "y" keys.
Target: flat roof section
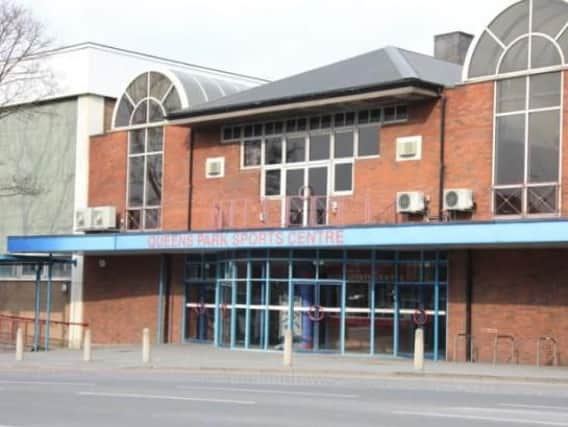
{"x": 433, "y": 235}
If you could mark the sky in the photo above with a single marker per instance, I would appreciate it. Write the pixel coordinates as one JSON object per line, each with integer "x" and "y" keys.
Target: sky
{"x": 263, "y": 38}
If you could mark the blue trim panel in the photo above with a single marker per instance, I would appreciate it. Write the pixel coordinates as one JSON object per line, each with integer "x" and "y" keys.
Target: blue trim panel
{"x": 397, "y": 236}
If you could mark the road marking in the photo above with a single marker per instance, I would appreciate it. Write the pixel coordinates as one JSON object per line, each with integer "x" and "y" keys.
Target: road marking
{"x": 47, "y": 383}
{"x": 166, "y": 397}
{"x": 255, "y": 390}
{"x": 482, "y": 418}
{"x": 514, "y": 405}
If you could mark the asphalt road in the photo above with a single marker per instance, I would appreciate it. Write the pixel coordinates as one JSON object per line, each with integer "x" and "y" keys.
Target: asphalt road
{"x": 142, "y": 398}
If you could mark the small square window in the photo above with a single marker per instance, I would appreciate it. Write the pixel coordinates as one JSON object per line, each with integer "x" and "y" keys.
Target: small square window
{"x": 402, "y": 112}
{"x": 133, "y": 220}
{"x": 343, "y": 146}
{"x": 272, "y": 182}
{"x": 339, "y": 120}
{"x": 257, "y": 130}
{"x": 291, "y": 126}
{"x": 278, "y": 127}
{"x": 301, "y": 124}
{"x": 319, "y": 147}
{"x": 375, "y": 115}
{"x": 227, "y": 133}
{"x": 269, "y": 128}
{"x": 315, "y": 123}
{"x": 349, "y": 119}
{"x": 368, "y": 141}
{"x": 363, "y": 117}
{"x": 325, "y": 122}
{"x": 248, "y": 131}
{"x": 236, "y": 132}
{"x": 390, "y": 114}
{"x": 343, "y": 177}
{"x": 273, "y": 151}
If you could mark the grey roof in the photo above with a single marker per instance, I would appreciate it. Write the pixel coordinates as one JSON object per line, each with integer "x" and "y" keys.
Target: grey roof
{"x": 379, "y": 68}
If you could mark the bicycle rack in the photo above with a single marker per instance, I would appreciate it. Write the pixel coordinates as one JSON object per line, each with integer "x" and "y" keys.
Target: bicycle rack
{"x": 543, "y": 340}
{"x": 510, "y": 338}
{"x": 471, "y": 345}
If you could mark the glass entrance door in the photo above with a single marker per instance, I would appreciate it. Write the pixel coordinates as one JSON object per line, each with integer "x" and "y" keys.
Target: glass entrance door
{"x": 317, "y": 318}
{"x": 200, "y": 312}
{"x": 225, "y": 310}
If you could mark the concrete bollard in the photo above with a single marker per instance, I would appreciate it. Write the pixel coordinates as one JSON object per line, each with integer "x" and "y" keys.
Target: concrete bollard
{"x": 146, "y": 345}
{"x": 87, "y": 353}
{"x": 288, "y": 347}
{"x": 419, "y": 349}
{"x": 19, "y": 345}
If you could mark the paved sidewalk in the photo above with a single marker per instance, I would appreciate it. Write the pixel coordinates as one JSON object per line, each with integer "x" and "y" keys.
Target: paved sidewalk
{"x": 207, "y": 359}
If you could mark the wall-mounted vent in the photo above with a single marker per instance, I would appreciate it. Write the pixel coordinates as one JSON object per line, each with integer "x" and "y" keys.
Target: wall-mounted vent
{"x": 409, "y": 148}
{"x": 215, "y": 167}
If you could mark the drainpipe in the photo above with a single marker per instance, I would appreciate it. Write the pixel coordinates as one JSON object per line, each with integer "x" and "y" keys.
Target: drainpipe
{"x": 192, "y": 135}
{"x": 443, "y": 102}
{"x": 468, "y": 303}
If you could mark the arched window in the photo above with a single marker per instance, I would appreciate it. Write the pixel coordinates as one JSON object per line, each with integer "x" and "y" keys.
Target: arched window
{"x": 142, "y": 109}
{"x": 523, "y": 50}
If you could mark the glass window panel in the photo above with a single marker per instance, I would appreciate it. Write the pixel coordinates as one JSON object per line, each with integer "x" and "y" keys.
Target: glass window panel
{"x": 137, "y": 141}
{"x": 384, "y": 296}
{"x": 140, "y": 114}
{"x": 339, "y": 120}
{"x": 269, "y": 128}
{"x": 248, "y": 131}
{"x": 227, "y": 133}
{"x": 508, "y": 201}
{"x": 544, "y": 142}
{"x": 252, "y": 152}
{"x": 237, "y": 131}
{"x": 136, "y": 182}
{"x": 541, "y": 200}
{"x": 349, "y": 119}
{"x": 319, "y": 147}
{"x": 303, "y": 270}
{"x": 273, "y": 151}
{"x": 315, "y": 123}
{"x": 376, "y": 115}
{"x": 159, "y": 85}
{"x": 390, "y": 114}
{"x": 511, "y": 95}
{"x": 291, "y": 126}
{"x": 317, "y": 180}
{"x": 368, "y": 141}
{"x": 344, "y": 177}
{"x": 485, "y": 57}
{"x": 549, "y": 16}
{"x": 343, "y": 145}
{"x": 156, "y": 113}
{"x": 545, "y": 90}
{"x": 363, "y": 117}
{"x": 301, "y": 124}
{"x": 331, "y": 270}
{"x": 133, "y": 220}
{"x": 357, "y": 294}
{"x": 124, "y": 112}
{"x": 325, "y": 122}
{"x": 512, "y": 23}
{"x": 138, "y": 89}
{"x": 401, "y": 112}
{"x": 155, "y": 139}
{"x": 7, "y": 271}
{"x": 257, "y": 130}
{"x": 510, "y": 151}
{"x": 278, "y": 127}
{"x": 296, "y": 150}
{"x": 272, "y": 183}
{"x": 544, "y": 53}
{"x": 294, "y": 181}
{"x": 516, "y": 58}
{"x": 172, "y": 101}
{"x": 154, "y": 180}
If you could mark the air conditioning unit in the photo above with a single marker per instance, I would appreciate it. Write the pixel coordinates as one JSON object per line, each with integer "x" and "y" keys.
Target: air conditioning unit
{"x": 83, "y": 219}
{"x": 410, "y": 202}
{"x": 458, "y": 200}
{"x": 103, "y": 218}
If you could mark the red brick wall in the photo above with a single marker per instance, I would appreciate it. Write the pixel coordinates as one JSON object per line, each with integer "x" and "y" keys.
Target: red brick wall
{"x": 175, "y": 191}
{"x": 107, "y": 171}
{"x": 522, "y": 293}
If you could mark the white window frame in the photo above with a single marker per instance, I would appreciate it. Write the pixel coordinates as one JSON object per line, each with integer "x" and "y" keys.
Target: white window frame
{"x": 211, "y": 160}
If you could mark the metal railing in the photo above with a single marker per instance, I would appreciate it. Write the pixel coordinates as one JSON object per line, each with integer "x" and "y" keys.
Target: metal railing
{"x": 35, "y": 336}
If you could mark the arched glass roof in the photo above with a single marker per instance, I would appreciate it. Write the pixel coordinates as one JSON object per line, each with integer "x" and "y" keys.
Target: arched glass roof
{"x": 529, "y": 35}
{"x": 152, "y": 95}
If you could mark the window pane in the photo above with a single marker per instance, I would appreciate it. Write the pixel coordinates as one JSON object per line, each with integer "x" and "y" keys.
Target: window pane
{"x": 344, "y": 177}
{"x": 317, "y": 180}
{"x": 7, "y": 271}
{"x": 123, "y": 113}
{"x": 295, "y": 150}
{"x": 541, "y": 200}
{"x": 549, "y": 16}
{"x": 159, "y": 84}
{"x": 137, "y": 141}
{"x": 155, "y": 139}
{"x": 272, "y": 183}
{"x": 273, "y": 154}
{"x": 172, "y": 101}
{"x": 343, "y": 145}
{"x": 485, "y": 57}
{"x": 252, "y": 152}
{"x": 133, "y": 221}
{"x": 138, "y": 89}
{"x": 136, "y": 181}
{"x": 544, "y": 139}
{"x": 544, "y": 53}
{"x": 294, "y": 181}
{"x": 156, "y": 113}
{"x": 154, "y": 180}
{"x": 512, "y": 23}
{"x": 509, "y": 201}
{"x": 368, "y": 141}
{"x": 545, "y": 90}
{"x": 510, "y": 150}
{"x": 516, "y": 58}
{"x": 140, "y": 114}
{"x": 319, "y": 147}
{"x": 401, "y": 112}
{"x": 390, "y": 114}
{"x": 151, "y": 218}
{"x": 511, "y": 95}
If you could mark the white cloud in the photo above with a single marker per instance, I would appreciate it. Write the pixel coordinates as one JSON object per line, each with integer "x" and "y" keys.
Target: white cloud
{"x": 265, "y": 38}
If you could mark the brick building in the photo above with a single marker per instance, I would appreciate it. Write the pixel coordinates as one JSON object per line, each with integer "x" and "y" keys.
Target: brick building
{"x": 345, "y": 203}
